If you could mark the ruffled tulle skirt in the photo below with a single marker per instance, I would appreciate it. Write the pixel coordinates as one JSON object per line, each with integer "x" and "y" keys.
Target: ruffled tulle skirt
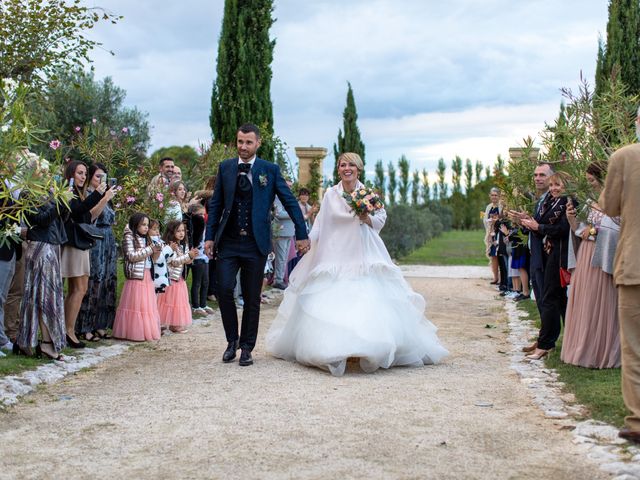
{"x": 371, "y": 315}
{"x": 137, "y": 316}
{"x": 173, "y": 305}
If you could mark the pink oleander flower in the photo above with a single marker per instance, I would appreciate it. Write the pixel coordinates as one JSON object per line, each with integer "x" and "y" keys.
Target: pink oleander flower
{"x": 118, "y": 205}
{"x": 125, "y": 130}
{"x": 94, "y": 120}
{"x": 161, "y": 205}
{"x": 54, "y": 144}
{"x": 130, "y": 199}
{"x": 159, "y": 197}
{"x": 77, "y": 129}
{"x": 119, "y": 188}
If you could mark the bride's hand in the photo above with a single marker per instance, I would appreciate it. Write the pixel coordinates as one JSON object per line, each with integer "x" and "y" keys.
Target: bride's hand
{"x": 365, "y": 218}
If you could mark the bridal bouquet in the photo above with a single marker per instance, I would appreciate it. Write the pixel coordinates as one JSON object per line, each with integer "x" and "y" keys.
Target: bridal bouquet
{"x": 363, "y": 200}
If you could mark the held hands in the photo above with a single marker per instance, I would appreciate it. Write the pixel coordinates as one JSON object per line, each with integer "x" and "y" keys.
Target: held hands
{"x": 193, "y": 253}
{"x": 209, "y": 248}
{"x": 303, "y": 246}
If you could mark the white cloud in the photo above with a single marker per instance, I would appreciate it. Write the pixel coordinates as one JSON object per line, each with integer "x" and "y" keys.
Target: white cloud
{"x": 431, "y": 79}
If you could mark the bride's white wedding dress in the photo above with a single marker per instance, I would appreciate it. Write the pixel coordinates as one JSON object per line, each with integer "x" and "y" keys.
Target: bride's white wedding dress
{"x": 346, "y": 298}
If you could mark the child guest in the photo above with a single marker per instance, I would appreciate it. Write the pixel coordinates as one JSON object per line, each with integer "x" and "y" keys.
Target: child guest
{"x": 173, "y": 304}
{"x": 137, "y": 316}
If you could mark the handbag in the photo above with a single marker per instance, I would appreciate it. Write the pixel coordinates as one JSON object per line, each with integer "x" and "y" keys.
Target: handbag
{"x": 83, "y": 236}
{"x": 565, "y": 277}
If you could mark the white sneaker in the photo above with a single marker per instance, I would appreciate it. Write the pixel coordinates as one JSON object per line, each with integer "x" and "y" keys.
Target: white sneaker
{"x": 197, "y": 312}
{"x": 240, "y": 302}
{"x": 208, "y": 310}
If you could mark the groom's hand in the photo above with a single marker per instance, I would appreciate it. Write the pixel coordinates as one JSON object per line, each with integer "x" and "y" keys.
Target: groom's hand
{"x": 302, "y": 246}
{"x": 208, "y": 248}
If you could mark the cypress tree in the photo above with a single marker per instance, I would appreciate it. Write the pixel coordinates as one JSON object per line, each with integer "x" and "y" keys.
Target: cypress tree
{"x": 242, "y": 89}
{"x": 350, "y": 141}
{"x": 443, "y": 188}
{"x": 456, "y": 174}
{"x": 393, "y": 183}
{"x": 622, "y": 49}
{"x": 426, "y": 191}
{"x": 378, "y": 183}
{"x": 403, "y": 189}
{"x": 415, "y": 187}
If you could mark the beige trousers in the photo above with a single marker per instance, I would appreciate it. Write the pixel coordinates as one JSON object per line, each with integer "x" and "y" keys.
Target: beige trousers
{"x": 629, "y": 313}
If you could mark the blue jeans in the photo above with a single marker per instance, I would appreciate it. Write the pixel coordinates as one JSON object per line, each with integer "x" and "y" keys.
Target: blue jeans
{"x": 7, "y": 269}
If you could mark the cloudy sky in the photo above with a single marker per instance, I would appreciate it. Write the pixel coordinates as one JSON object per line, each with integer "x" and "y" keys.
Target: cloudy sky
{"x": 431, "y": 78}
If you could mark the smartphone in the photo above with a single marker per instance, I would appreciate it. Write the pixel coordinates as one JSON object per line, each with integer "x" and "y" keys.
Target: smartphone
{"x": 71, "y": 183}
{"x": 103, "y": 178}
{"x": 113, "y": 182}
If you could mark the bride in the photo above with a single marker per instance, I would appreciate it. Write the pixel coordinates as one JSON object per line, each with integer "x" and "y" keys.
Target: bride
{"x": 346, "y": 298}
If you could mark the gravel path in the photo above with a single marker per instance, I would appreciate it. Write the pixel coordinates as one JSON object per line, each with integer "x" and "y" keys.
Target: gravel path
{"x": 173, "y": 410}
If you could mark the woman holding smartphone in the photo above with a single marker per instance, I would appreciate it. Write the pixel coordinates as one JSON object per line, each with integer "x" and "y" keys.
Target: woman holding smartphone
{"x": 75, "y": 263}
{"x": 98, "y": 307}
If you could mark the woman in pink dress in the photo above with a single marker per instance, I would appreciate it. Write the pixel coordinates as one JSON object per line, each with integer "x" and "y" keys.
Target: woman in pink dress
{"x": 137, "y": 317}
{"x": 591, "y": 337}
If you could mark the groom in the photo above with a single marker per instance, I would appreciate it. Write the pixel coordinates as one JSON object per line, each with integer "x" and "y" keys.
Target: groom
{"x": 239, "y": 230}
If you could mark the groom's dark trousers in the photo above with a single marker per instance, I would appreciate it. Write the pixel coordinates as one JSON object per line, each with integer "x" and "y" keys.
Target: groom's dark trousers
{"x": 240, "y": 253}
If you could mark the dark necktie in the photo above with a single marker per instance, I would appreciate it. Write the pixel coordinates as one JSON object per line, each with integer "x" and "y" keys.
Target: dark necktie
{"x": 244, "y": 185}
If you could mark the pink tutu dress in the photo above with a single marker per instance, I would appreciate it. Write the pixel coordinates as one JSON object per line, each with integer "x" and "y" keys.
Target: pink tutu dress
{"x": 137, "y": 316}
{"x": 173, "y": 305}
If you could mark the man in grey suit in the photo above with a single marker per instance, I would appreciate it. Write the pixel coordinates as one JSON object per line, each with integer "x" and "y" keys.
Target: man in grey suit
{"x": 284, "y": 230}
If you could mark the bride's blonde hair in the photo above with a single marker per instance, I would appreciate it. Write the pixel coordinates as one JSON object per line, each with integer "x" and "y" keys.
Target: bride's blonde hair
{"x": 352, "y": 158}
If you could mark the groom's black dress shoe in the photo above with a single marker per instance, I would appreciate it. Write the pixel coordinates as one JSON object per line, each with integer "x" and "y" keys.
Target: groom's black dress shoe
{"x": 230, "y": 353}
{"x": 245, "y": 358}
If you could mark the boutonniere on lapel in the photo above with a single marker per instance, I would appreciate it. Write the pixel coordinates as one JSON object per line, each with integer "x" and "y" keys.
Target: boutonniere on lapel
{"x": 262, "y": 178}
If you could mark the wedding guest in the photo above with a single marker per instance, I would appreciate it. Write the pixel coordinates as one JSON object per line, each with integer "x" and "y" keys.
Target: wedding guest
{"x": 14, "y": 297}
{"x": 621, "y": 198}
{"x": 519, "y": 263}
{"x": 550, "y": 224}
{"x": 137, "y": 316}
{"x": 591, "y": 336}
{"x": 75, "y": 264}
{"x": 541, "y": 176}
{"x": 98, "y": 307}
{"x": 162, "y": 180}
{"x": 173, "y": 304}
{"x": 178, "y": 202}
{"x": 10, "y": 251}
{"x": 308, "y": 211}
{"x": 200, "y": 264}
{"x": 284, "y": 231}
{"x": 491, "y": 213}
{"x": 177, "y": 174}
{"x": 211, "y": 290}
{"x": 44, "y": 312}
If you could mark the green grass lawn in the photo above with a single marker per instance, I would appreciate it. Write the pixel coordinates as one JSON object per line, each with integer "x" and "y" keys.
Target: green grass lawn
{"x": 598, "y": 390}
{"x": 455, "y": 247}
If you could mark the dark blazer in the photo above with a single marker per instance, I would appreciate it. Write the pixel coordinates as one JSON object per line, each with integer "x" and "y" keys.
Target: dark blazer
{"x": 267, "y": 182}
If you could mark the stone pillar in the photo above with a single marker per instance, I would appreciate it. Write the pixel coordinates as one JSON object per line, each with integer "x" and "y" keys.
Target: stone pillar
{"x": 306, "y": 155}
{"x": 516, "y": 153}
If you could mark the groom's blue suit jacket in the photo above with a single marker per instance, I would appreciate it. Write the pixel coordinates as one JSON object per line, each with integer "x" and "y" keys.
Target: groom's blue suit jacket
{"x": 267, "y": 183}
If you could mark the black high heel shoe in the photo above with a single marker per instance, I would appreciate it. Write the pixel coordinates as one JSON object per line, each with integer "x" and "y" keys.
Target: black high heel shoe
{"x": 73, "y": 344}
{"x": 41, "y": 352}
{"x": 17, "y": 350}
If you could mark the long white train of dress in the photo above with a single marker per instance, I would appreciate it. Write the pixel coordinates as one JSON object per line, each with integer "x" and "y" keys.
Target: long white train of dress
{"x": 347, "y": 299}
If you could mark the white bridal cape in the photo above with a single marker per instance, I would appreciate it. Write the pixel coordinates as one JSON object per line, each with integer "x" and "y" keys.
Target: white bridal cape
{"x": 346, "y": 298}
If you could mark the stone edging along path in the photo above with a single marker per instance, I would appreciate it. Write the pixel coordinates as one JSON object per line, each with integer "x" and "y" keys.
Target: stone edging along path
{"x": 598, "y": 440}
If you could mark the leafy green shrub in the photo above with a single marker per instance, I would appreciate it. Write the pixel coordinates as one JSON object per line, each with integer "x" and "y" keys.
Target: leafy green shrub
{"x": 408, "y": 228}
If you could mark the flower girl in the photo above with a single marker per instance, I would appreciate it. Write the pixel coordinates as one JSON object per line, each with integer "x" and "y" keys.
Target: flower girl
{"x": 137, "y": 316}
{"x": 173, "y": 304}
